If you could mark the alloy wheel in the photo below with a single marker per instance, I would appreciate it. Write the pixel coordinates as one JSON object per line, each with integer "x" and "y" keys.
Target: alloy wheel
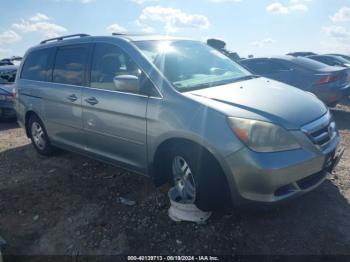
{"x": 183, "y": 179}
{"x": 38, "y": 135}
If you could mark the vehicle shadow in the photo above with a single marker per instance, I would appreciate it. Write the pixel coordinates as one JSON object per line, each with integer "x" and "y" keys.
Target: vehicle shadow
{"x": 69, "y": 203}
{"x": 6, "y": 124}
{"x": 316, "y": 223}
{"x": 342, "y": 118}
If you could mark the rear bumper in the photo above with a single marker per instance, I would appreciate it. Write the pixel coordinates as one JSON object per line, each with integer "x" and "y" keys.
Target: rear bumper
{"x": 7, "y": 110}
{"x": 274, "y": 177}
{"x": 331, "y": 95}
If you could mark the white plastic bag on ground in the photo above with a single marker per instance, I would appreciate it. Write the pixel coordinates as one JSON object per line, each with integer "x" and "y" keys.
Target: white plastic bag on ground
{"x": 181, "y": 211}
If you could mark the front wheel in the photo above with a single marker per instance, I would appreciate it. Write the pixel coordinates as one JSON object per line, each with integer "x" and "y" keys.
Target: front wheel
{"x": 198, "y": 177}
{"x": 38, "y": 136}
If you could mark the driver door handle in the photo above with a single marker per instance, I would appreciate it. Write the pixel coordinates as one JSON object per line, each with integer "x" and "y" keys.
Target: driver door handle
{"x": 92, "y": 101}
{"x": 72, "y": 98}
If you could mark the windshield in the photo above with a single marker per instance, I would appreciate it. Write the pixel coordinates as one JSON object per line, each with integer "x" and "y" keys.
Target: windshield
{"x": 191, "y": 65}
{"x": 7, "y": 76}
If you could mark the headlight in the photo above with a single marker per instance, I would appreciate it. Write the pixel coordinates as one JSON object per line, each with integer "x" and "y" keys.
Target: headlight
{"x": 263, "y": 136}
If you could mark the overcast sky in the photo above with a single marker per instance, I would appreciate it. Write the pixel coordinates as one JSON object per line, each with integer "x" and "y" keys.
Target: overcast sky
{"x": 259, "y": 27}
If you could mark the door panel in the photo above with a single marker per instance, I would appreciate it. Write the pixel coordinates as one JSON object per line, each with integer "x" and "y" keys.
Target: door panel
{"x": 63, "y": 115}
{"x": 116, "y": 126}
{"x": 114, "y": 115}
{"x": 63, "y": 98}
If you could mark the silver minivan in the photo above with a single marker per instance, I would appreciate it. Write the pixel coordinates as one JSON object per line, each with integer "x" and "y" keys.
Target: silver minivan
{"x": 178, "y": 111}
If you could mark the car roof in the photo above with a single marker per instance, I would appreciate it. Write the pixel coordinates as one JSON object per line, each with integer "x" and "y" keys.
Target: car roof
{"x": 334, "y": 56}
{"x": 8, "y": 67}
{"x": 282, "y": 57}
{"x": 300, "y": 53}
{"x": 84, "y": 38}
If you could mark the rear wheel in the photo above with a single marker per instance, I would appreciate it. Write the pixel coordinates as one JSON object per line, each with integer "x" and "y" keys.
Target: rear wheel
{"x": 38, "y": 136}
{"x": 332, "y": 105}
{"x": 198, "y": 177}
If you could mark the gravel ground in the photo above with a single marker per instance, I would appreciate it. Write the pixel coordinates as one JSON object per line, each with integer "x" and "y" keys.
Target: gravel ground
{"x": 68, "y": 204}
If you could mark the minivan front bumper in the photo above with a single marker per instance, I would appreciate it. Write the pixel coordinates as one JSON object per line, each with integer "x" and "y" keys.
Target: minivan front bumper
{"x": 273, "y": 177}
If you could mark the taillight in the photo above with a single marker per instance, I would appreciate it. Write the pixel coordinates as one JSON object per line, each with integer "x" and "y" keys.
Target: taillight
{"x": 14, "y": 94}
{"x": 327, "y": 79}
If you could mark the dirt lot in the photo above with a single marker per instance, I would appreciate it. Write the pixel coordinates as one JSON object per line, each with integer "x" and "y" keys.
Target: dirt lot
{"x": 68, "y": 204}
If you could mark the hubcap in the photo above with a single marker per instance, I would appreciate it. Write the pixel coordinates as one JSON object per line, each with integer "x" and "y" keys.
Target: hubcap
{"x": 38, "y": 135}
{"x": 183, "y": 179}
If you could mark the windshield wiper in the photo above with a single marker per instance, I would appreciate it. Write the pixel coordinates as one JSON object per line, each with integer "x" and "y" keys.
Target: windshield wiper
{"x": 245, "y": 78}
{"x": 218, "y": 83}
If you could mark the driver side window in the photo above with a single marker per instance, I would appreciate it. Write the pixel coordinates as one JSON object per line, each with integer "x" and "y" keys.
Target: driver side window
{"x": 114, "y": 70}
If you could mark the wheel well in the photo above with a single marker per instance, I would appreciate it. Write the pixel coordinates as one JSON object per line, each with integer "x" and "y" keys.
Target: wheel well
{"x": 160, "y": 157}
{"x": 26, "y": 120}
{"x": 162, "y": 175}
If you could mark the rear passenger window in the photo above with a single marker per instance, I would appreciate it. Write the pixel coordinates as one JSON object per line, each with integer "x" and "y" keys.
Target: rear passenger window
{"x": 35, "y": 66}
{"x": 109, "y": 63}
{"x": 70, "y": 65}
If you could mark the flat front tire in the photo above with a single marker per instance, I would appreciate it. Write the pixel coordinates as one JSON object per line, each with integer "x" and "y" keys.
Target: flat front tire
{"x": 198, "y": 177}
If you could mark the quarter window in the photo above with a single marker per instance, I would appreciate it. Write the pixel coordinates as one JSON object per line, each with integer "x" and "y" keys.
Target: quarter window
{"x": 35, "y": 66}
{"x": 70, "y": 65}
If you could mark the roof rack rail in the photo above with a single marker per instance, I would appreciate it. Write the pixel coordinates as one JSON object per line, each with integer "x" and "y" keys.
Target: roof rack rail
{"x": 118, "y": 33}
{"x": 60, "y": 38}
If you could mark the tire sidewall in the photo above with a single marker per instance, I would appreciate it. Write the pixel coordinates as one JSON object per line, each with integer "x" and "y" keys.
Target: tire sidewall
{"x": 211, "y": 193}
{"x": 47, "y": 150}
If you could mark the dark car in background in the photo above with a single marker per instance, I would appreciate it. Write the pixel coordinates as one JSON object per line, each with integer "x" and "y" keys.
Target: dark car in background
{"x": 328, "y": 83}
{"x": 302, "y": 54}
{"x": 5, "y": 62}
{"x": 7, "y": 79}
{"x": 331, "y": 60}
{"x": 347, "y": 57}
{"x": 14, "y": 60}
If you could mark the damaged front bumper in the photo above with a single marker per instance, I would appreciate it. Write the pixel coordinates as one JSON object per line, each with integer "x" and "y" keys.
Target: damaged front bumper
{"x": 279, "y": 176}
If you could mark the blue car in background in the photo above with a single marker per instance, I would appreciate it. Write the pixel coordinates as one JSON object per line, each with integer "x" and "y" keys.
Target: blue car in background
{"x": 347, "y": 57}
{"x": 331, "y": 60}
{"x": 328, "y": 83}
{"x": 7, "y": 79}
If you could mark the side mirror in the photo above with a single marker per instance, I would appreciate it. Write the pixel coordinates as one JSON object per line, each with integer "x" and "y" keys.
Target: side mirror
{"x": 127, "y": 83}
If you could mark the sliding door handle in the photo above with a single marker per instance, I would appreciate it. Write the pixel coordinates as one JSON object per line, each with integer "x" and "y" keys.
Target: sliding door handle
{"x": 92, "y": 101}
{"x": 72, "y": 98}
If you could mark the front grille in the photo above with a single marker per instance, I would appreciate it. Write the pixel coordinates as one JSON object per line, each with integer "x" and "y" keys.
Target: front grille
{"x": 321, "y": 131}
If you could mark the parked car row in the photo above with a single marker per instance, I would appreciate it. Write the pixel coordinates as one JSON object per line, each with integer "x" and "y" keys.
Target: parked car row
{"x": 7, "y": 79}
{"x": 329, "y": 83}
{"x": 326, "y": 76}
{"x": 179, "y": 111}
{"x": 332, "y": 60}
{"x": 14, "y": 60}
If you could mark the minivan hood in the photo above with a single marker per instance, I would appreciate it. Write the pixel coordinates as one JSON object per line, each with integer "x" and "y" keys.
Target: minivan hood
{"x": 263, "y": 99}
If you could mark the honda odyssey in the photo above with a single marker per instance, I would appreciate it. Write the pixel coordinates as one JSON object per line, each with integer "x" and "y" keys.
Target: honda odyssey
{"x": 177, "y": 111}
